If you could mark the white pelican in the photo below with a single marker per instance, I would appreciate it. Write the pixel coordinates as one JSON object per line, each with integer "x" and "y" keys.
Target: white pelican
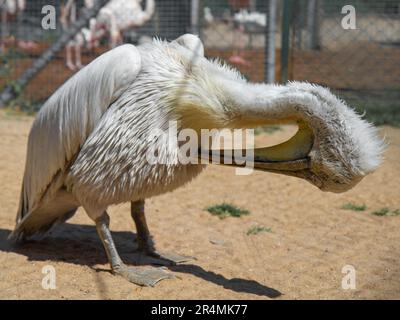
{"x": 120, "y": 15}
{"x": 85, "y": 37}
{"x": 114, "y": 18}
{"x": 88, "y": 143}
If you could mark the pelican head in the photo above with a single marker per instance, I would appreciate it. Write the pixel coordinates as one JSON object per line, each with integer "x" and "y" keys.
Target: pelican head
{"x": 345, "y": 148}
{"x": 334, "y": 148}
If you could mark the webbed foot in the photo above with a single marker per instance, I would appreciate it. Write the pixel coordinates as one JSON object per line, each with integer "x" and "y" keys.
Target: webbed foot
{"x": 143, "y": 276}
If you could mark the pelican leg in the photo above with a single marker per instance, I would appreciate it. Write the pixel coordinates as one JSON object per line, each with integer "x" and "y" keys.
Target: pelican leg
{"x": 144, "y": 276}
{"x": 145, "y": 243}
{"x": 68, "y": 57}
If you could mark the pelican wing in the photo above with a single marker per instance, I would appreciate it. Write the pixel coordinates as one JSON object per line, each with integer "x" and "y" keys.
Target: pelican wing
{"x": 61, "y": 128}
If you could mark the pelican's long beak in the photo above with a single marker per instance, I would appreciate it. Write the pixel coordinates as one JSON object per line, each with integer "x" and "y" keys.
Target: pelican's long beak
{"x": 288, "y": 157}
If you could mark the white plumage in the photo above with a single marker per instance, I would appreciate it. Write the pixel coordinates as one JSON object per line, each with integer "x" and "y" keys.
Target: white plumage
{"x": 67, "y": 120}
{"x": 128, "y": 13}
{"x": 88, "y": 143}
{"x": 244, "y": 16}
{"x": 118, "y": 16}
{"x": 208, "y": 16}
{"x": 13, "y": 6}
{"x": 113, "y": 19}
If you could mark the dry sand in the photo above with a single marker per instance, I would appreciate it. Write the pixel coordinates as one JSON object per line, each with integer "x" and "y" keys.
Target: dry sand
{"x": 312, "y": 238}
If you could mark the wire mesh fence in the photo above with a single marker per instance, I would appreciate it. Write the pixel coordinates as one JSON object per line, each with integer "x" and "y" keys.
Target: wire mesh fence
{"x": 267, "y": 40}
{"x": 359, "y": 61}
{"x": 24, "y": 40}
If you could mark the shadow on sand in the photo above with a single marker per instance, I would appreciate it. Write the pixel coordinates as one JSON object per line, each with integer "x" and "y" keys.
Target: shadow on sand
{"x": 79, "y": 244}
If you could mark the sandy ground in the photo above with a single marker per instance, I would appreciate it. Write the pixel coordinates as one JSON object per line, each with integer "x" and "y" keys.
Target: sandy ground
{"x": 312, "y": 238}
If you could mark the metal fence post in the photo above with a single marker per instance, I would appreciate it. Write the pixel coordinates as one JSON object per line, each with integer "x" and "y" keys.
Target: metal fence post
{"x": 194, "y": 17}
{"x": 287, "y": 11}
{"x": 270, "y": 42}
{"x": 313, "y": 24}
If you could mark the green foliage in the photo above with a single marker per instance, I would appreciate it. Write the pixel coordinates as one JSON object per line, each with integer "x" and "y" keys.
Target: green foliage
{"x": 386, "y": 212}
{"x": 25, "y": 106}
{"x": 14, "y": 54}
{"x": 7, "y": 57}
{"x": 16, "y": 87}
{"x": 380, "y": 213}
{"x": 381, "y": 107}
{"x": 50, "y": 36}
{"x": 20, "y": 103}
{"x": 379, "y": 114}
{"x": 5, "y": 67}
{"x": 257, "y": 229}
{"x": 354, "y": 207}
{"x": 227, "y": 210}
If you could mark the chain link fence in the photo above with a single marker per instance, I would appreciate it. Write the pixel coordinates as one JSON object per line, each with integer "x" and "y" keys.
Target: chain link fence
{"x": 23, "y": 40}
{"x": 361, "y": 64}
{"x": 267, "y": 40}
